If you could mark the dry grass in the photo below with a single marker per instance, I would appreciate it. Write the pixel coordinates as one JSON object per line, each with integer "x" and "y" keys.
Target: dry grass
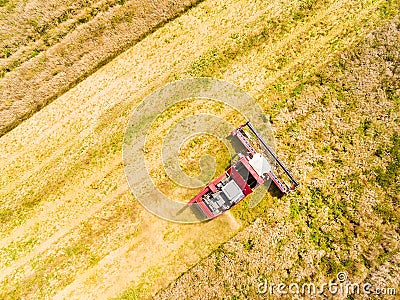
{"x": 48, "y": 47}
{"x": 63, "y": 191}
{"x": 341, "y": 127}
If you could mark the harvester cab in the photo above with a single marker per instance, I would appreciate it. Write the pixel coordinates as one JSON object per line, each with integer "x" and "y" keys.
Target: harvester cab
{"x": 248, "y": 172}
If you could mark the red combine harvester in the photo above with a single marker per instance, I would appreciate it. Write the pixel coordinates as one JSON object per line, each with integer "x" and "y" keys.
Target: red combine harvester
{"x": 246, "y": 174}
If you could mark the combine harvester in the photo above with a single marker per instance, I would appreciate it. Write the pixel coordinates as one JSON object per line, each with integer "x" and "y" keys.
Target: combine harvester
{"x": 250, "y": 171}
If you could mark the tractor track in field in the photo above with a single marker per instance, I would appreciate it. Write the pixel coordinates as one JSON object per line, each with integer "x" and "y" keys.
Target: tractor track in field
{"x": 46, "y": 244}
{"x": 55, "y": 49}
{"x": 50, "y": 209}
{"x": 117, "y": 261}
{"x": 77, "y": 138}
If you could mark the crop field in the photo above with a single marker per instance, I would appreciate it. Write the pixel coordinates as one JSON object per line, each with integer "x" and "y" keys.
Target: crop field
{"x": 47, "y": 47}
{"x": 325, "y": 73}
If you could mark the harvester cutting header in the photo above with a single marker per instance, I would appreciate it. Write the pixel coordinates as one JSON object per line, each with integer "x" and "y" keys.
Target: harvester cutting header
{"x": 248, "y": 172}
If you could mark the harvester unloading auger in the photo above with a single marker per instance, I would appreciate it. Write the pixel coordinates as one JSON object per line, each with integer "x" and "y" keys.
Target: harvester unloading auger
{"x": 251, "y": 170}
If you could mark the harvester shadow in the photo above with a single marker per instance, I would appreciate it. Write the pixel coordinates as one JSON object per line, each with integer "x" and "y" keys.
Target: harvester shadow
{"x": 275, "y": 192}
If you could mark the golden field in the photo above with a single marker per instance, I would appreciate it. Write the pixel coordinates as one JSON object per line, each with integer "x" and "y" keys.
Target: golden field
{"x": 325, "y": 73}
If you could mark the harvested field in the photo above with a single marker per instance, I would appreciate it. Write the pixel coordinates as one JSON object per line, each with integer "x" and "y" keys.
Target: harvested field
{"x": 70, "y": 228}
{"x": 47, "y": 47}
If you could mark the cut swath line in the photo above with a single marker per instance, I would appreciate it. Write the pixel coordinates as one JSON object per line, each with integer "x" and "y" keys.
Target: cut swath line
{"x": 59, "y": 234}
